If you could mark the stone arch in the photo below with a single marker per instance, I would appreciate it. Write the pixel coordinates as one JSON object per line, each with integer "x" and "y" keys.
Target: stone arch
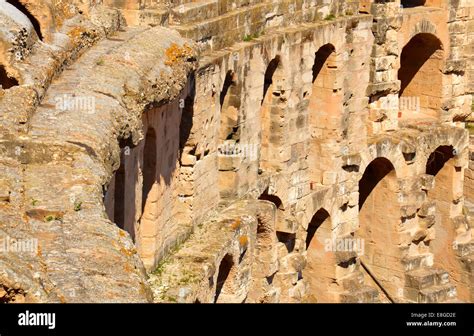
{"x": 149, "y": 166}
{"x": 225, "y": 283}
{"x": 411, "y": 3}
{"x": 265, "y": 261}
{"x": 188, "y": 153}
{"x": 24, "y": 9}
{"x": 424, "y": 27}
{"x": 325, "y": 112}
{"x": 420, "y": 74}
{"x": 266, "y": 236}
{"x": 7, "y": 81}
{"x": 379, "y": 218}
{"x": 280, "y": 223}
{"x": 421, "y": 3}
{"x": 320, "y": 270}
{"x": 271, "y": 112}
{"x": 438, "y": 159}
{"x": 388, "y": 150}
{"x": 456, "y": 138}
{"x": 120, "y": 196}
{"x": 443, "y": 197}
{"x": 269, "y": 75}
{"x": 149, "y": 188}
{"x": 229, "y": 136}
{"x": 229, "y": 104}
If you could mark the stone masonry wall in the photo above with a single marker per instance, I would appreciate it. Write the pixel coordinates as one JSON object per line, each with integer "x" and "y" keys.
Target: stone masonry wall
{"x": 236, "y": 151}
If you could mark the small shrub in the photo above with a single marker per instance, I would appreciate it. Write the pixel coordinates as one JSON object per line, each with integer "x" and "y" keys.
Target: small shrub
{"x": 248, "y": 38}
{"x": 77, "y": 206}
{"x": 51, "y": 218}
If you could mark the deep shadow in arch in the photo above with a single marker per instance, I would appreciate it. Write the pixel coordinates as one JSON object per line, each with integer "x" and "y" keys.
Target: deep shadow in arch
{"x": 226, "y": 269}
{"x": 325, "y": 111}
{"x": 228, "y": 83}
{"x": 414, "y": 55}
{"x": 374, "y": 173}
{"x": 22, "y": 8}
{"x": 320, "y": 271}
{"x": 230, "y": 104}
{"x": 442, "y": 195}
{"x": 411, "y": 3}
{"x": 379, "y": 222}
{"x": 321, "y": 57}
{"x": 288, "y": 239}
{"x": 265, "y": 196}
{"x": 119, "y": 200}
{"x": 271, "y": 69}
{"x": 149, "y": 165}
{"x": 119, "y": 195}
{"x": 6, "y": 81}
{"x": 187, "y": 115}
{"x": 319, "y": 218}
{"x": 438, "y": 159}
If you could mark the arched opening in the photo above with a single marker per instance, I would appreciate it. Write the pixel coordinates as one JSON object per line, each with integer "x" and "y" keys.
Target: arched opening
{"x": 271, "y": 198}
{"x": 119, "y": 197}
{"x": 325, "y": 113}
{"x": 373, "y": 175}
{"x": 149, "y": 214}
{"x": 225, "y": 286}
{"x": 265, "y": 261}
{"x": 229, "y": 137}
{"x": 441, "y": 165}
{"x": 269, "y": 73}
{"x": 185, "y": 127}
{"x": 265, "y": 239}
{"x": 6, "y": 82}
{"x": 412, "y": 3}
{"x": 149, "y": 168}
{"x": 421, "y": 77}
{"x": 438, "y": 159}
{"x": 22, "y": 8}
{"x": 271, "y": 116}
{"x": 230, "y": 103}
{"x": 320, "y": 271}
{"x": 187, "y": 159}
{"x": 280, "y": 212}
{"x": 323, "y": 66}
{"x": 379, "y": 218}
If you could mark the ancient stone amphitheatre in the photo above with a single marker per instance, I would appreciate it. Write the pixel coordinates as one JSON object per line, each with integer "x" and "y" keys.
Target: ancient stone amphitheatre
{"x": 236, "y": 151}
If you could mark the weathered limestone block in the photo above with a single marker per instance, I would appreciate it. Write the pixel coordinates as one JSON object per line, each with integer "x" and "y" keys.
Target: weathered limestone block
{"x": 313, "y": 129}
{"x": 17, "y": 35}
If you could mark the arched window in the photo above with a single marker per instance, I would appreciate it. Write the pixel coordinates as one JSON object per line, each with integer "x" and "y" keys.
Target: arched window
{"x": 225, "y": 286}
{"x": 269, "y": 73}
{"x": 320, "y": 271}
{"x": 421, "y": 77}
{"x": 379, "y": 226}
{"x": 324, "y": 113}
{"x": 149, "y": 165}
{"x": 412, "y": 3}
{"x": 271, "y": 116}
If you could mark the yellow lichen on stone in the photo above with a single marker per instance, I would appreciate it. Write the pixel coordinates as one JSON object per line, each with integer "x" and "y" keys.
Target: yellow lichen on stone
{"x": 175, "y": 53}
